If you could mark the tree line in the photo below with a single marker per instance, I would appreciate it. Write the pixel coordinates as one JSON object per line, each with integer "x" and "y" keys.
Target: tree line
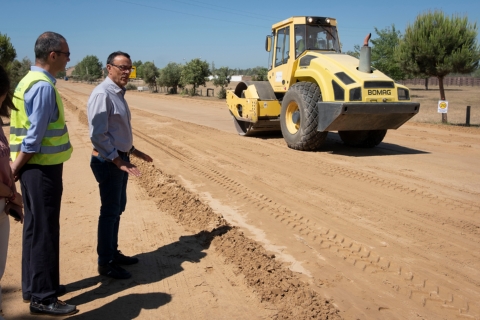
{"x": 435, "y": 45}
{"x": 194, "y": 73}
{"x": 173, "y": 76}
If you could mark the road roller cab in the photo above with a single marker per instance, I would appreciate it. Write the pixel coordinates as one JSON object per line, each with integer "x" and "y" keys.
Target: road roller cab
{"x": 313, "y": 88}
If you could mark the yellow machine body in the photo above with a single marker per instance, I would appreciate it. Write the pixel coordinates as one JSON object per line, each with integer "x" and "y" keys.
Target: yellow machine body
{"x": 350, "y": 95}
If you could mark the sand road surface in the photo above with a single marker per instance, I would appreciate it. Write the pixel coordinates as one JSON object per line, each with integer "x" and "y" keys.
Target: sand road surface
{"x": 228, "y": 227}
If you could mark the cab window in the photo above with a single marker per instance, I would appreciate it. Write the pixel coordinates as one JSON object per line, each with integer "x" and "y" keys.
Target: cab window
{"x": 299, "y": 39}
{"x": 282, "y": 46}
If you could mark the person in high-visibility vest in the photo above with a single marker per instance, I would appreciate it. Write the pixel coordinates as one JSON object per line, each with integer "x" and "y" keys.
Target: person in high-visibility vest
{"x": 39, "y": 145}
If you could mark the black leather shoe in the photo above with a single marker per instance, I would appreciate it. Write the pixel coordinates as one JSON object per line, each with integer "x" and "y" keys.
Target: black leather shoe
{"x": 113, "y": 270}
{"x": 57, "y": 308}
{"x": 122, "y": 259}
{"x": 60, "y": 292}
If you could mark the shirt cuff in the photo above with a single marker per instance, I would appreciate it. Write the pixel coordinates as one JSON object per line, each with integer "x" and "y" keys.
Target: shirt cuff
{"x": 30, "y": 149}
{"x": 112, "y": 155}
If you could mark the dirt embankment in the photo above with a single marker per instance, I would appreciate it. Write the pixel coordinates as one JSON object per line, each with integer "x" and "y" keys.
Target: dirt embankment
{"x": 267, "y": 277}
{"x": 234, "y": 227}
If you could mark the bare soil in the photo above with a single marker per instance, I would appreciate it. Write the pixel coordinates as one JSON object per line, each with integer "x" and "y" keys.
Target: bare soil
{"x": 228, "y": 227}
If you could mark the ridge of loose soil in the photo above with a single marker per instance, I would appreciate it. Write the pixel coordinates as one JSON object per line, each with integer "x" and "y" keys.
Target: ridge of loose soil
{"x": 269, "y": 279}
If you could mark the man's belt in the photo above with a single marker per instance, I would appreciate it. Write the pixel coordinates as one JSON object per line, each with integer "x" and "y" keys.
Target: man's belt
{"x": 95, "y": 152}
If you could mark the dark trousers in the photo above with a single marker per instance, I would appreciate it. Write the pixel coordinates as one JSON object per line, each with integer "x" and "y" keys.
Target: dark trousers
{"x": 42, "y": 189}
{"x": 112, "y": 183}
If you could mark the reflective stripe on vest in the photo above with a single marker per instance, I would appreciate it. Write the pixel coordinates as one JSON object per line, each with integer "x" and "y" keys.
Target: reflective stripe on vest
{"x": 55, "y": 146}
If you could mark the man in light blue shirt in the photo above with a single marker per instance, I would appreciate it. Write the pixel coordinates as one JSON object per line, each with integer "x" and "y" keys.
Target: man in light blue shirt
{"x": 109, "y": 120}
{"x": 111, "y": 135}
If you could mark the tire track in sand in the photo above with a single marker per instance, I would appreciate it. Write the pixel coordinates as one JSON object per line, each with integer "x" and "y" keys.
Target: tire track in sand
{"x": 401, "y": 280}
{"x": 424, "y": 291}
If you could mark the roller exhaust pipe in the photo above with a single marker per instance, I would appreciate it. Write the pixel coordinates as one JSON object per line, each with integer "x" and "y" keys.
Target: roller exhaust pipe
{"x": 365, "y": 56}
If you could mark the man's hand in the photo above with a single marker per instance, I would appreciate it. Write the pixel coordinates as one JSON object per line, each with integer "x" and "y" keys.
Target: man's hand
{"x": 15, "y": 170}
{"x": 15, "y": 211}
{"x": 16, "y": 165}
{"x": 17, "y": 199}
{"x": 126, "y": 166}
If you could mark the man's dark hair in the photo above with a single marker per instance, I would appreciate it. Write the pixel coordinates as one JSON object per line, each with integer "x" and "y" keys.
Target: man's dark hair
{"x": 46, "y": 43}
{"x": 5, "y": 88}
{"x": 113, "y": 55}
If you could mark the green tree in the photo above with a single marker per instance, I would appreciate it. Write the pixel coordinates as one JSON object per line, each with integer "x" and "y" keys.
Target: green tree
{"x": 222, "y": 79}
{"x": 170, "y": 76}
{"x": 160, "y": 82}
{"x": 7, "y": 51}
{"x": 383, "y": 53}
{"x": 18, "y": 70}
{"x": 140, "y": 70}
{"x": 259, "y": 74}
{"x": 195, "y": 73}
{"x": 139, "y": 65}
{"x": 150, "y": 74}
{"x": 436, "y": 45}
{"x": 356, "y": 51}
{"x": 89, "y": 69}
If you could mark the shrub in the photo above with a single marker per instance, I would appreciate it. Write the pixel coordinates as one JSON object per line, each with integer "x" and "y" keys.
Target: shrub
{"x": 131, "y": 86}
{"x": 222, "y": 94}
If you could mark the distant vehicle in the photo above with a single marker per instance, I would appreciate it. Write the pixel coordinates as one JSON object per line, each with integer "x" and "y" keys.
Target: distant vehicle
{"x": 66, "y": 78}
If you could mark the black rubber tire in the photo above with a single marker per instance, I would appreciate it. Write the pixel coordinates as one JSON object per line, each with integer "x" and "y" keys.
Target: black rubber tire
{"x": 302, "y": 134}
{"x": 362, "y": 139}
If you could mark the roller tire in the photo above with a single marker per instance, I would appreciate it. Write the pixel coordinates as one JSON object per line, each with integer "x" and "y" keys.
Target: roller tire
{"x": 243, "y": 128}
{"x": 302, "y": 98}
{"x": 363, "y": 138}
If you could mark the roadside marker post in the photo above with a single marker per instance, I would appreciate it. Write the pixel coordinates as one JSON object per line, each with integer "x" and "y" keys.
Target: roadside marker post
{"x": 467, "y": 120}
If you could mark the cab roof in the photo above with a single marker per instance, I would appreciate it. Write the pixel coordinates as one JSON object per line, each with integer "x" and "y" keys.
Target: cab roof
{"x": 303, "y": 20}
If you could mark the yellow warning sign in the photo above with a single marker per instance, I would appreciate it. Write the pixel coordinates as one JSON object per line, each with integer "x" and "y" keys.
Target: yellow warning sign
{"x": 442, "y": 106}
{"x": 133, "y": 74}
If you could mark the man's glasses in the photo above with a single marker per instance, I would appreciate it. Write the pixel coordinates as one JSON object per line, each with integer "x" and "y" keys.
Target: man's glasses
{"x": 65, "y": 53}
{"x": 123, "y": 68}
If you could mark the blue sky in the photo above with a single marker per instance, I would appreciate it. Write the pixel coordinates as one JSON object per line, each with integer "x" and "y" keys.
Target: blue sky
{"x": 227, "y": 33}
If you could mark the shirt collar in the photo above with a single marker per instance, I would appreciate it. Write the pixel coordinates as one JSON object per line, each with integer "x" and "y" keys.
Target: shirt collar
{"x": 112, "y": 85}
{"x": 52, "y": 78}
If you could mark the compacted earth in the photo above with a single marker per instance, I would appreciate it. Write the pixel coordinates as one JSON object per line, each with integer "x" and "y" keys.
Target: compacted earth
{"x": 230, "y": 227}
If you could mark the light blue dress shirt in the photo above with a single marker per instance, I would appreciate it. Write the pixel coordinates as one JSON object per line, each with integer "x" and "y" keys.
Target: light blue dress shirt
{"x": 109, "y": 120}
{"x": 41, "y": 108}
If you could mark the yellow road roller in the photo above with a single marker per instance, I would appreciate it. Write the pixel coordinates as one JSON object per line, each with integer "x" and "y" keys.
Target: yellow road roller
{"x": 314, "y": 88}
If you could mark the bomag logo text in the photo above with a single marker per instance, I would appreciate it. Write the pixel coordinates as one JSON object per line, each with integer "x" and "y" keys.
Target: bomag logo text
{"x": 379, "y": 92}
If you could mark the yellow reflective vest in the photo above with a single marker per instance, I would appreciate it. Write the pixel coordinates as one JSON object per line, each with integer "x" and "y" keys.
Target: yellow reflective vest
{"x": 55, "y": 146}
